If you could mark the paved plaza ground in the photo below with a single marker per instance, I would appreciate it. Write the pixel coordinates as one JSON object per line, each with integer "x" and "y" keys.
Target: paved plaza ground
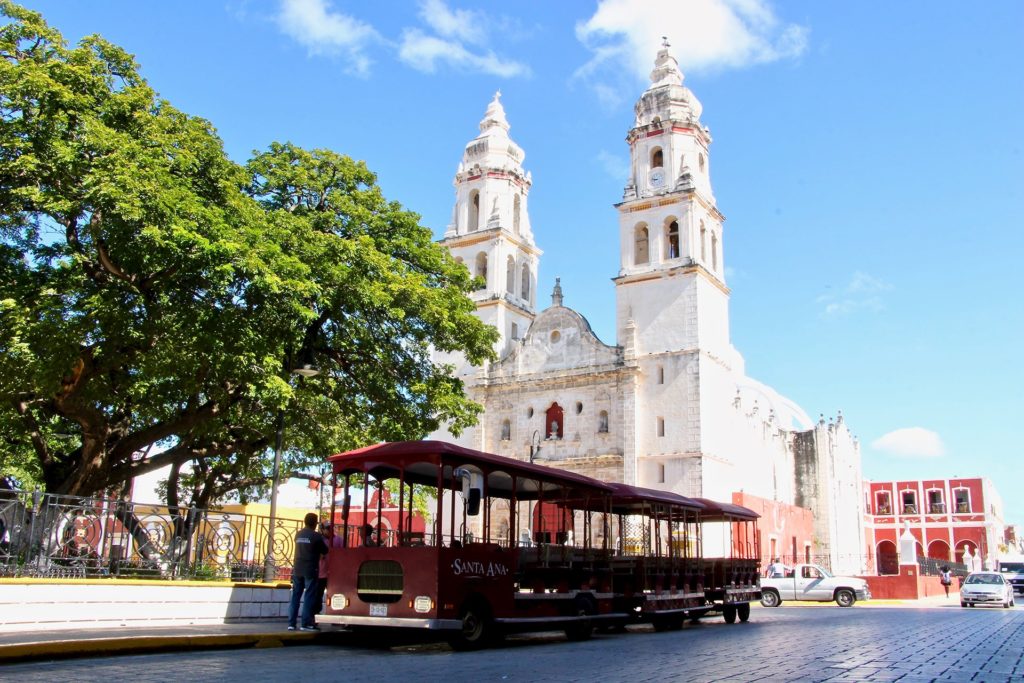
{"x": 788, "y": 644}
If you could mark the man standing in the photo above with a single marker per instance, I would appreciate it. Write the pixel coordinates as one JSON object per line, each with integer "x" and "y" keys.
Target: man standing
{"x": 309, "y": 546}
{"x": 332, "y": 541}
{"x": 776, "y": 569}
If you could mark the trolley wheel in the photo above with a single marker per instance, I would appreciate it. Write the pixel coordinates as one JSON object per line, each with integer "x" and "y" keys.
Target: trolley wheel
{"x": 729, "y": 613}
{"x": 845, "y": 597}
{"x": 583, "y": 607}
{"x": 477, "y": 627}
{"x": 743, "y": 611}
{"x": 661, "y": 624}
{"x": 770, "y": 598}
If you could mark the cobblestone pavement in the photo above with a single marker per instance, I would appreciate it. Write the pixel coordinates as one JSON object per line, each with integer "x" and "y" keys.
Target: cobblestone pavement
{"x": 791, "y": 644}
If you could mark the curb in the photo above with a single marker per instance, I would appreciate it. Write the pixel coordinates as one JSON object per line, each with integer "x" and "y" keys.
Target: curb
{"x": 101, "y": 647}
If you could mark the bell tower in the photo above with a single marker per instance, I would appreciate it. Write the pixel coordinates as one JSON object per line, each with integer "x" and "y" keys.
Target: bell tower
{"x": 671, "y": 282}
{"x": 490, "y": 228}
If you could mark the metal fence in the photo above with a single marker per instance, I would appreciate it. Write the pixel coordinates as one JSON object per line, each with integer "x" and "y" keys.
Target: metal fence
{"x": 872, "y": 565}
{"x": 48, "y": 535}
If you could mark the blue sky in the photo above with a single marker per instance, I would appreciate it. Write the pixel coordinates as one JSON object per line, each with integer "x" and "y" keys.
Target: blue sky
{"x": 867, "y": 156}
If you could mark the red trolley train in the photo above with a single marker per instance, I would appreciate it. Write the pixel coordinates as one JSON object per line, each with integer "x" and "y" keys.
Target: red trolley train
{"x": 511, "y": 547}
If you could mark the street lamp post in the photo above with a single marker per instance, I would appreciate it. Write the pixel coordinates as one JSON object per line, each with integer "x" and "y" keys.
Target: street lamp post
{"x": 305, "y": 369}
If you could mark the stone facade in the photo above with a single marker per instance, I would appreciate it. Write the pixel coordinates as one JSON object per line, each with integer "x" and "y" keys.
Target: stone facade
{"x": 670, "y": 405}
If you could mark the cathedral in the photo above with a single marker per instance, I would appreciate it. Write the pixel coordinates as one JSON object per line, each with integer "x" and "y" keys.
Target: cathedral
{"x": 669, "y": 405}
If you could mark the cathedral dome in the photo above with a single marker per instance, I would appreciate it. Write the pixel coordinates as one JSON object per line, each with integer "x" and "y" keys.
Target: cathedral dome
{"x": 667, "y": 99}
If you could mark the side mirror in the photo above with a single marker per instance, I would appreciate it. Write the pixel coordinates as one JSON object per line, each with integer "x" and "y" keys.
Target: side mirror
{"x": 473, "y": 503}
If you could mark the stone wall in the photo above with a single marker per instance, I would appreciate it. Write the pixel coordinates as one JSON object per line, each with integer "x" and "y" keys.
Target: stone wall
{"x": 37, "y": 604}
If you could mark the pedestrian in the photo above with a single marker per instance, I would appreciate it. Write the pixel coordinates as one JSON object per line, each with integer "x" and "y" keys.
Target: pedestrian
{"x": 333, "y": 541}
{"x": 946, "y": 578}
{"x": 309, "y": 547}
{"x": 776, "y": 569}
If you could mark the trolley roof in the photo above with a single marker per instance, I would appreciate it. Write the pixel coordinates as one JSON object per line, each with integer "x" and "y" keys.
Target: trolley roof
{"x": 722, "y": 512}
{"x": 422, "y": 461}
{"x": 633, "y": 498}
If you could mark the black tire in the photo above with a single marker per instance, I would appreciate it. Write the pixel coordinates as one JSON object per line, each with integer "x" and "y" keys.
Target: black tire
{"x": 845, "y": 597}
{"x": 963, "y": 604}
{"x": 743, "y": 611}
{"x": 477, "y": 627}
{"x": 770, "y": 598}
{"x": 729, "y": 613}
{"x": 584, "y": 607}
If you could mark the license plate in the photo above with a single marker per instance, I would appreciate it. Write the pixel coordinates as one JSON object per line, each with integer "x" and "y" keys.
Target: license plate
{"x": 378, "y": 609}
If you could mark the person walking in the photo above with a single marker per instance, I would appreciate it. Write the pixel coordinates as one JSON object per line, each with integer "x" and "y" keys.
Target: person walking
{"x": 309, "y": 547}
{"x": 946, "y": 577}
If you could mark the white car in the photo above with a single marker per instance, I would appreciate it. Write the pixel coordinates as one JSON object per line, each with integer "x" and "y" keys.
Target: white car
{"x": 986, "y": 588}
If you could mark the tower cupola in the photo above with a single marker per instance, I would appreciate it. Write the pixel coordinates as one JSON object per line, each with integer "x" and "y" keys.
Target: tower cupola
{"x": 490, "y": 228}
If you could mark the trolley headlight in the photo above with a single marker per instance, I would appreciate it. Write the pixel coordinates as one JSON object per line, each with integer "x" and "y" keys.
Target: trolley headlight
{"x": 423, "y": 604}
{"x": 338, "y": 601}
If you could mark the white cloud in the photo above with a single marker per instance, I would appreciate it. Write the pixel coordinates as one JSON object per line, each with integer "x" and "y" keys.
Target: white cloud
{"x": 617, "y": 166}
{"x": 862, "y": 293}
{"x": 324, "y": 31}
{"x": 423, "y": 52}
{"x": 705, "y": 35}
{"x": 461, "y": 24}
{"x": 911, "y": 442}
{"x": 455, "y": 29}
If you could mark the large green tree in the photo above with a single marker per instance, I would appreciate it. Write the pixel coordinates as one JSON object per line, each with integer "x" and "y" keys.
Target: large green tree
{"x": 154, "y": 295}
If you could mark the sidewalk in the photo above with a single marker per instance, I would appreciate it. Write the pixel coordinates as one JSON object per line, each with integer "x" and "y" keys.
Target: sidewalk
{"x": 37, "y": 645}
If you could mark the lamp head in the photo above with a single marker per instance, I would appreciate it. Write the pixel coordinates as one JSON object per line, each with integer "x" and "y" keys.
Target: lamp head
{"x": 306, "y": 370}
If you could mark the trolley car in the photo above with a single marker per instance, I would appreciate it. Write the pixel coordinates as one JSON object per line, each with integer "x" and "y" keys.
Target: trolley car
{"x": 512, "y": 547}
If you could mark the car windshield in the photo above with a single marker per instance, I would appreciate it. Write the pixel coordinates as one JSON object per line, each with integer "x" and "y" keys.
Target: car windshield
{"x": 984, "y": 578}
{"x": 826, "y": 573}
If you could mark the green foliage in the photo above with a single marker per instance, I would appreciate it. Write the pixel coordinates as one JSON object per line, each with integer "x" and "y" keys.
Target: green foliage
{"x": 154, "y": 294}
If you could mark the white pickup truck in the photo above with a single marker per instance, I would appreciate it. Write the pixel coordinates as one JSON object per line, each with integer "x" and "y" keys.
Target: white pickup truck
{"x": 811, "y": 582}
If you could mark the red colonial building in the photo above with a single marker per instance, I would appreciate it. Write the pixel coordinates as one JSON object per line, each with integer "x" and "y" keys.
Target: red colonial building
{"x": 946, "y": 517}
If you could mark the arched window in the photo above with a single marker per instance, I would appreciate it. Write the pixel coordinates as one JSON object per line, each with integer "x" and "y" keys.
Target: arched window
{"x": 474, "y": 210}
{"x": 700, "y": 162}
{"x": 657, "y": 158}
{"x": 481, "y": 267}
{"x": 602, "y": 422}
{"x": 515, "y": 331}
{"x": 673, "y": 240}
{"x": 506, "y": 430}
{"x": 516, "y": 208}
{"x": 703, "y": 243}
{"x": 555, "y": 420}
{"x": 526, "y": 282}
{"x": 640, "y": 246}
{"x": 714, "y": 252}
{"x": 510, "y": 276}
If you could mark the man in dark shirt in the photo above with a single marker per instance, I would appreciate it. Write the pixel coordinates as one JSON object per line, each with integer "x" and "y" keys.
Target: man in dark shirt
{"x": 309, "y": 546}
